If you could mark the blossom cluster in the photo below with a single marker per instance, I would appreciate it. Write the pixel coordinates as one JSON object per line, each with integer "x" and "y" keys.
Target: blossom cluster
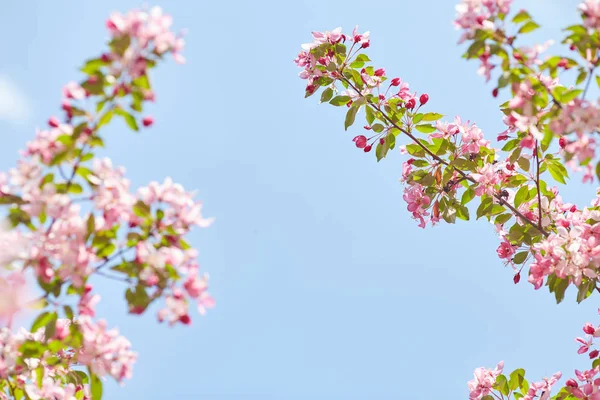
{"x": 451, "y": 163}
{"x": 71, "y": 216}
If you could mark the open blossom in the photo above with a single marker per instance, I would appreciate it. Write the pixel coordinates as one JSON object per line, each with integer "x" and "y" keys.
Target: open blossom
{"x": 487, "y": 178}
{"x": 417, "y": 201}
{"x": 148, "y": 27}
{"x": 483, "y": 380}
{"x": 472, "y": 137}
{"x": 590, "y": 10}
{"x": 505, "y": 250}
{"x": 105, "y": 351}
{"x": 472, "y": 15}
{"x": 544, "y": 387}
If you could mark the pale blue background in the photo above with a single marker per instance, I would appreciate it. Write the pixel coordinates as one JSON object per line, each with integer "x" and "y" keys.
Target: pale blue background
{"x": 326, "y": 289}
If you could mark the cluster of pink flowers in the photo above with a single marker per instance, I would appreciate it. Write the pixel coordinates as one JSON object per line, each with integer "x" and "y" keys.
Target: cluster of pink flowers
{"x": 573, "y": 251}
{"x": 418, "y": 202}
{"x": 314, "y": 68}
{"x": 590, "y": 11}
{"x": 472, "y": 15}
{"x": 82, "y": 219}
{"x": 105, "y": 351}
{"x": 148, "y": 28}
{"x": 484, "y": 379}
{"x": 53, "y": 381}
{"x": 544, "y": 387}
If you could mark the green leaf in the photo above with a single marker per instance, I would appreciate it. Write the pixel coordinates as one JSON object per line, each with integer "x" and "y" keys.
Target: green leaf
{"x": 75, "y": 188}
{"x": 370, "y": 115}
{"x": 41, "y": 321}
{"x": 502, "y": 385}
{"x": 105, "y": 118}
{"x": 432, "y": 116}
{"x": 524, "y": 163}
{"x": 522, "y": 16}
{"x": 558, "y": 171}
{"x": 340, "y": 101}
{"x": 516, "y": 379}
{"x": 326, "y": 95}
{"x": 141, "y": 209}
{"x": 585, "y": 289}
{"x": 51, "y": 326}
{"x": 547, "y": 139}
{"x": 521, "y": 195}
{"x": 467, "y": 196}
{"x": 485, "y": 207}
{"x": 425, "y": 128}
{"x": 68, "y": 312}
{"x": 529, "y": 26}
{"x": 520, "y": 257}
{"x": 129, "y": 119}
{"x": 350, "y": 117}
{"x": 106, "y": 250}
{"x": 598, "y": 170}
{"x": 502, "y": 219}
{"x": 570, "y": 95}
{"x": 91, "y": 66}
{"x": 598, "y": 80}
{"x": 95, "y": 386}
{"x": 475, "y": 49}
{"x": 377, "y": 128}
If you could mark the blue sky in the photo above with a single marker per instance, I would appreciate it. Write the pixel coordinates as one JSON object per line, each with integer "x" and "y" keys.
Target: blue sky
{"x": 325, "y": 288}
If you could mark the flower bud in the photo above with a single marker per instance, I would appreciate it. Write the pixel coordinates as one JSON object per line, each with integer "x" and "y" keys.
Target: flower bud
{"x": 589, "y": 329}
{"x": 424, "y": 99}
{"x": 411, "y": 104}
{"x": 360, "y": 141}
{"x": 562, "y": 142}
{"x": 571, "y": 383}
{"x": 594, "y": 354}
{"x": 54, "y": 122}
{"x": 380, "y": 72}
{"x": 396, "y": 82}
{"x": 495, "y": 92}
{"x": 147, "y": 121}
{"x": 367, "y": 149}
{"x": 517, "y": 278}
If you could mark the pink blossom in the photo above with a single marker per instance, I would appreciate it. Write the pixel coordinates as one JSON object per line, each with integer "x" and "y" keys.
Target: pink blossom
{"x": 483, "y": 381}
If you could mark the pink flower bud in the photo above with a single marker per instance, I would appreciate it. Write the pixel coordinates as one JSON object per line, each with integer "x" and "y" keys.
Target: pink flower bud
{"x": 517, "y": 278}
{"x": 571, "y": 383}
{"x": 396, "y": 82}
{"x": 594, "y": 354}
{"x": 589, "y": 329}
{"x": 367, "y": 127}
{"x": 382, "y": 141}
{"x": 424, "y": 99}
{"x": 54, "y": 122}
{"x": 185, "y": 319}
{"x": 360, "y": 141}
{"x": 495, "y": 92}
{"x": 562, "y": 142}
{"x": 365, "y": 45}
{"x": 411, "y": 104}
{"x": 380, "y": 72}
{"x": 147, "y": 121}
{"x": 367, "y": 149}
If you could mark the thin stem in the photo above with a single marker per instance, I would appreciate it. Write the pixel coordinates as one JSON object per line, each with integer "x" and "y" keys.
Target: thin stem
{"x": 587, "y": 84}
{"x": 442, "y": 161}
{"x": 115, "y": 278}
{"x": 537, "y": 184}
